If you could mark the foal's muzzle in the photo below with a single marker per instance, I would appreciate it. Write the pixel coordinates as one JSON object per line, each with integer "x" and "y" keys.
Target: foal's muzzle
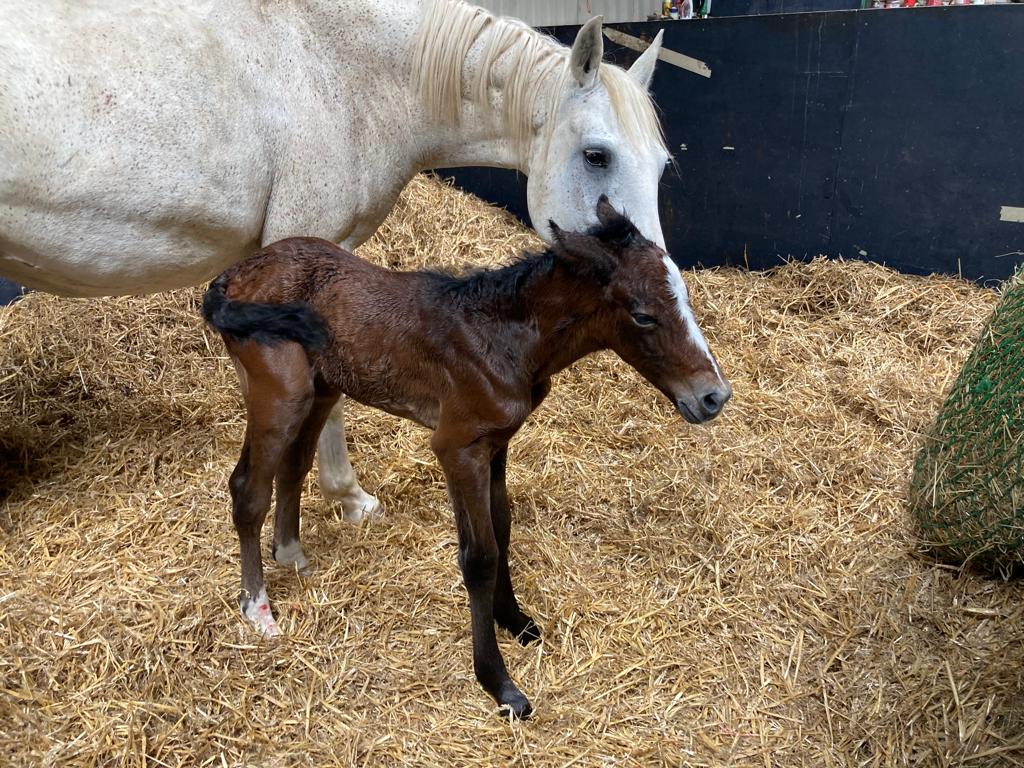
{"x": 705, "y": 403}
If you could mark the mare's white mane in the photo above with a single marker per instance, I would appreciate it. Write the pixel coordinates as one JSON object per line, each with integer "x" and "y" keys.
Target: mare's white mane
{"x": 539, "y": 70}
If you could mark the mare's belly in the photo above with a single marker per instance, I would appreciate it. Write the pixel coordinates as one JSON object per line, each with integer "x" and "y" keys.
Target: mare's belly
{"x": 88, "y": 254}
{"x": 134, "y": 157}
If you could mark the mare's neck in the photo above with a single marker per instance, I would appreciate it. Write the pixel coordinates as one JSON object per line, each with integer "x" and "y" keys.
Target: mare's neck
{"x": 341, "y": 114}
{"x": 381, "y": 128}
{"x": 495, "y": 73}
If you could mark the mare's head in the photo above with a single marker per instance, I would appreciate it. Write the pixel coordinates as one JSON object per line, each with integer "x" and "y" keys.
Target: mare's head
{"x": 646, "y": 311}
{"x": 602, "y": 137}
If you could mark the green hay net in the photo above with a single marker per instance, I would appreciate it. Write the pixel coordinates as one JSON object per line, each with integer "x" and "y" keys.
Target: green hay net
{"x": 967, "y": 489}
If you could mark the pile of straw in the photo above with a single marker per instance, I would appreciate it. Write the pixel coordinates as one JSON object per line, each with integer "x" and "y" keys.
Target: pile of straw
{"x": 745, "y": 593}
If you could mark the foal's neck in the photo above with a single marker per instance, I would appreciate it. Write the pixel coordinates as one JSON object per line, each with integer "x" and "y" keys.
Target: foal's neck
{"x": 569, "y": 315}
{"x": 545, "y": 315}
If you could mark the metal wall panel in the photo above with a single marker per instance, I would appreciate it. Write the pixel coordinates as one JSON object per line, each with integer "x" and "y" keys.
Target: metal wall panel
{"x": 890, "y": 137}
{"x": 758, "y": 7}
{"x": 551, "y": 13}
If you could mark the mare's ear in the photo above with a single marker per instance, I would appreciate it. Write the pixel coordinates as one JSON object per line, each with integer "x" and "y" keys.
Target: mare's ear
{"x": 583, "y": 254}
{"x": 587, "y": 50}
{"x": 643, "y": 68}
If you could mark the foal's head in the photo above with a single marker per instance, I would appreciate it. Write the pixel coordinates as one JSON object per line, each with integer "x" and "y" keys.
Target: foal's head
{"x": 646, "y": 309}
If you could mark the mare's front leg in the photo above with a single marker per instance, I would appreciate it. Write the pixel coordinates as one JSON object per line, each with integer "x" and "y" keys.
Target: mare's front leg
{"x": 467, "y": 471}
{"x": 291, "y": 473}
{"x": 506, "y": 607}
{"x": 337, "y": 479}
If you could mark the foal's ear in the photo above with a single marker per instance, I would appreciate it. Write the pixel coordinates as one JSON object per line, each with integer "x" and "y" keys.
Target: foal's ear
{"x": 615, "y": 228}
{"x": 582, "y": 254}
{"x": 586, "y": 54}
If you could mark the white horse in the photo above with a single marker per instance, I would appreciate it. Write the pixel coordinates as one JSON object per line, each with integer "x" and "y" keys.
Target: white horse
{"x": 147, "y": 146}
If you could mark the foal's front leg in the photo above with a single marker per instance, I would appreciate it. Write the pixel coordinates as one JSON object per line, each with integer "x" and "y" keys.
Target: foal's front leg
{"x": 467, "y": 471}
{"x": 506, "y": 607}
{"x": 337, "y": 479}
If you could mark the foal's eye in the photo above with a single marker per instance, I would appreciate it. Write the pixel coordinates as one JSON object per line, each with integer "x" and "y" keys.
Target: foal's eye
{"x": 644, "y": 321}
{"x": 597, "y": 158}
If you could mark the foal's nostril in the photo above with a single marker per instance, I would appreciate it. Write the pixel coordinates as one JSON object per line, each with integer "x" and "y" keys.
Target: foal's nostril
{"x": 713, "y": 401}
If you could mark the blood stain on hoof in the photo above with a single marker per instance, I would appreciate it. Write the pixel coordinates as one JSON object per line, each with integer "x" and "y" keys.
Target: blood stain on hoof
{"x": 260, "y": 616}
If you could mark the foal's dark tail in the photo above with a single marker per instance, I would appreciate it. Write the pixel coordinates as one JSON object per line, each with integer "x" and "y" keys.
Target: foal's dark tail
{"x": 263, "y": 323}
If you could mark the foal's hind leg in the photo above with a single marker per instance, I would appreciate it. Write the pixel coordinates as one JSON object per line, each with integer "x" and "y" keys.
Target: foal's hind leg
{"x": 294, "y": 467}
{"x": 279, "y": 395}
{"x": 337, "y": 480}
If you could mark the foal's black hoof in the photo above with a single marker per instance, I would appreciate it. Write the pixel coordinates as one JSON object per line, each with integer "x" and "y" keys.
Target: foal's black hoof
{"x": 521, "y": 627}
{"x": 512, "y": 702}
{"x": 529, "y": 633}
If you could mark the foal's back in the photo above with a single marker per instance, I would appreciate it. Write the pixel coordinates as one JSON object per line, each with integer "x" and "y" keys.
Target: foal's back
{"x": 293, "y": 270}
{"x": 382, "y": 324}
{"x": 341, "y": 287}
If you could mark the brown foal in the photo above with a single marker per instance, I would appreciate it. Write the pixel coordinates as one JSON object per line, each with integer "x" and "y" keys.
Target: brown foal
{"x": 470, "y": 358}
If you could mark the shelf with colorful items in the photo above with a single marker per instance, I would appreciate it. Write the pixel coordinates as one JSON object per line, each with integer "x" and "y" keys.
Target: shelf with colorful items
{"x": 684, "y": 9}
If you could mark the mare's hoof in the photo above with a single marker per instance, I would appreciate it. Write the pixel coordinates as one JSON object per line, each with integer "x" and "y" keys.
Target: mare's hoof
{"x": 360, "y": 507}
{"x": 512, "y": 702}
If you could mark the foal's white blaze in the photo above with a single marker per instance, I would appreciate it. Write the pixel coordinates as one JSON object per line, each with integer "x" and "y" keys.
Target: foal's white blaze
{"x": 258, "y": 612}
{"x": 678, "y": 288}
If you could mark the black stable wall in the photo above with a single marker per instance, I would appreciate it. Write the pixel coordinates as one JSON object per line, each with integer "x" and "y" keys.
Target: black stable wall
{"x": 890, "y": 135}
{"x": 8, "y": 291}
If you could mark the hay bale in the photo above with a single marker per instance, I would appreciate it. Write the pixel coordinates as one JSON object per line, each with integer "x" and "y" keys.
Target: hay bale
{"x": 967, "y": 490}
{"x": 737, "y": 594}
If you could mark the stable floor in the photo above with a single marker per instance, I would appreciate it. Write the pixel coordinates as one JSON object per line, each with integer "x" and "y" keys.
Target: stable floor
{"x": 747, "y": 593}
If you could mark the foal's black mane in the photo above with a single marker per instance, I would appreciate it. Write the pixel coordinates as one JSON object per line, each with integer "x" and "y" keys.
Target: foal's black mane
{"x": 502, "y": 285}
{"x": 496, "y": 286}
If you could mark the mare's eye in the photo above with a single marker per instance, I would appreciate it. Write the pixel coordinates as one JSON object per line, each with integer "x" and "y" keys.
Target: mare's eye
{"x": 597, "y": 158}
{"x": 644, "y": 321}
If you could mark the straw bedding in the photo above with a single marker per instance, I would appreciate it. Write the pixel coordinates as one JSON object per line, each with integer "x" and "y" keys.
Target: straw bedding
{"x": 745, "y": 593}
